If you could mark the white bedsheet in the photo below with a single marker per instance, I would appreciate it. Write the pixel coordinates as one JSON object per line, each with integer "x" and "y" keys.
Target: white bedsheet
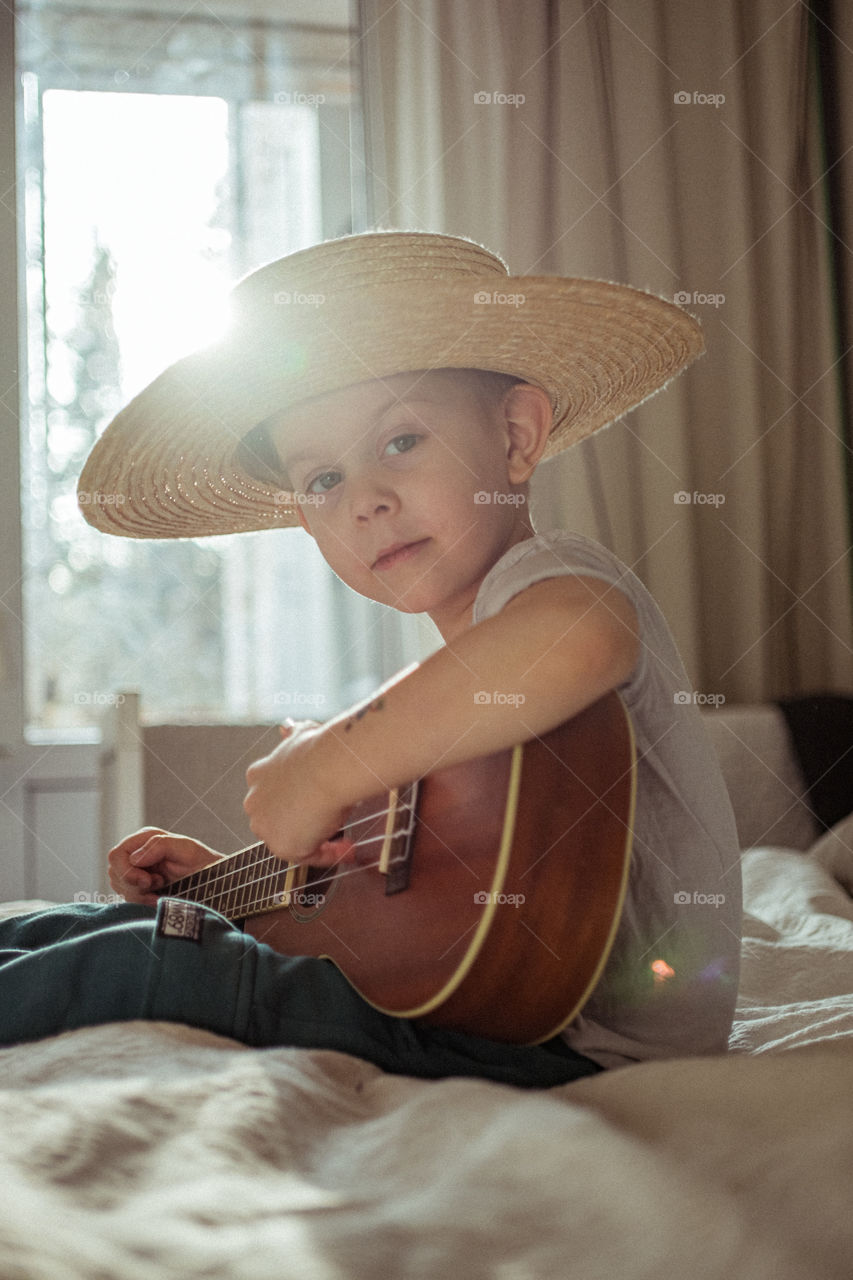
{"x": 138, "y": 1150}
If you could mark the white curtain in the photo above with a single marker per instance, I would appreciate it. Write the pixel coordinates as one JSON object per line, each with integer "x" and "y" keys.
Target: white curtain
{"x": 674, "y": 147}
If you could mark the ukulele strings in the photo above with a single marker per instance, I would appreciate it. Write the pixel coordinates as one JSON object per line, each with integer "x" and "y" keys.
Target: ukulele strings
{"x": 231, "y": 873}
{"x": 335, "y": 872}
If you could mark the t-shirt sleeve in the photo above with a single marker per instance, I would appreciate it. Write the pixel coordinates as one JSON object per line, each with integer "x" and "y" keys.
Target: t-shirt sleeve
{"x": 553, "y": 556}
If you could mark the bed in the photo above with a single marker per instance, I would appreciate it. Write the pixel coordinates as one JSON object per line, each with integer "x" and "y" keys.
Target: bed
{"x": 139, "y": 1149}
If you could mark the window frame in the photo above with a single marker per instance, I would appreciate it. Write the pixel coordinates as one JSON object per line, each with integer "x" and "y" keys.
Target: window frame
{"x": 13, "y": 374}
{"x": 343, "y": 208}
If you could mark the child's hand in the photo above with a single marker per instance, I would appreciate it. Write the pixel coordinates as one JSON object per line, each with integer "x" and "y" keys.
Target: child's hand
{"x": 289, "y": 803}
{"x": 148, "y": 860}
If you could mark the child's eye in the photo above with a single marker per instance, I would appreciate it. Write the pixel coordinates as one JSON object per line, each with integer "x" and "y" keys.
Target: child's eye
{"x": 402, "y": 443}
{"x": 325, "y": 481}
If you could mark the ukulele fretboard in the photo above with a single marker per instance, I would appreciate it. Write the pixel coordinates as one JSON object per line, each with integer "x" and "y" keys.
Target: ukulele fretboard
{"x": 242, "y": 884}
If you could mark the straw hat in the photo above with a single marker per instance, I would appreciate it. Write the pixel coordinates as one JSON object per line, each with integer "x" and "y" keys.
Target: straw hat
{"x": 354, "y": 309}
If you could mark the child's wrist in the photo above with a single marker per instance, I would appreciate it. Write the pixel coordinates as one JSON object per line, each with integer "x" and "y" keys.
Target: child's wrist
{"x": 342, "y": 771}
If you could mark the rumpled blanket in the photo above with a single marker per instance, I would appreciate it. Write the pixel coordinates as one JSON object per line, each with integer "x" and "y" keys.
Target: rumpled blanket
{"x": 135, "y": 1149}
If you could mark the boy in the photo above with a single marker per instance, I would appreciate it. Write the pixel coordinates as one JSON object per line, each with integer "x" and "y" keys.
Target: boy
{"x": 374, "y": 390}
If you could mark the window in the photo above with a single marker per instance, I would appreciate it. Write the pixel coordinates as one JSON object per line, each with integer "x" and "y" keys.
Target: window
{"x": 163, "y": 154}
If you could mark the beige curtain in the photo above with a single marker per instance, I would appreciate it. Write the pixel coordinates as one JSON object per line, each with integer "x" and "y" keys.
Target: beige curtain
{"x": 672, "y": 146}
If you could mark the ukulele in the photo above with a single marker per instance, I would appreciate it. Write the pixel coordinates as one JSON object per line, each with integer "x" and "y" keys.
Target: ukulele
{"x": 484, "y": 897}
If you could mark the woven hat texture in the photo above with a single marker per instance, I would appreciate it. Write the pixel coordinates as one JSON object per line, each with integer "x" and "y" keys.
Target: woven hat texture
{"x": 354, "y": 309}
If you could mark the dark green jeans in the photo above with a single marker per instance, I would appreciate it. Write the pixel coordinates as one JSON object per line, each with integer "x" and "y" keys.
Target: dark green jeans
{"x": 83, "y": 965}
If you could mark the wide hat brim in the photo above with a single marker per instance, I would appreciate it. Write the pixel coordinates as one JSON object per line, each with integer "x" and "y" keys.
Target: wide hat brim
{"x": 352, "y": 310}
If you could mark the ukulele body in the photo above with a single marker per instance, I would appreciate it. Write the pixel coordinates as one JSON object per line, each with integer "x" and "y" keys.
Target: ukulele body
{"x": 504, "y": 914}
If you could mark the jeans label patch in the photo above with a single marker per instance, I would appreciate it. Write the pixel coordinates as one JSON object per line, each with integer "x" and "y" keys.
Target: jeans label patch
{"x": 177, "y": 919}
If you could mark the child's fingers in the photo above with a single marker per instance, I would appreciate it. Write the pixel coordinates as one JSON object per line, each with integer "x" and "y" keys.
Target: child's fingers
{"x": 331, "y": 852}
{"x": 289, "y": 726}
{"x": 144, "y": 863}
{"x": 136, "y": 840}
{"x": 180, "y": 851}
{"x": 123, "y": 856}
{"x": 327, "y": 854}
{"x": 154, "y": 850}
{"x": 136, "y": 885}
{"x": 145, "y": 880}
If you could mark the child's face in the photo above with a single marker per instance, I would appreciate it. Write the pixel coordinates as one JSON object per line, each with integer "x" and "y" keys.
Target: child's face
{"x": 410, "y": 486}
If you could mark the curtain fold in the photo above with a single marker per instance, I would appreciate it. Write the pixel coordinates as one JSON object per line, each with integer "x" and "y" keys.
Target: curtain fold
{"x": 674, "y": 147}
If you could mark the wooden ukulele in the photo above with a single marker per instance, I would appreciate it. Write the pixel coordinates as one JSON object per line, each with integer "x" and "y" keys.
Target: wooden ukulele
{"x": 484, "y": 897}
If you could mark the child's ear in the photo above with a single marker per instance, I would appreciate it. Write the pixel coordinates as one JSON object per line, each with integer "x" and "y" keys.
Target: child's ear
{"x": 528, "y": 417}
{"x": 301, "y": 518}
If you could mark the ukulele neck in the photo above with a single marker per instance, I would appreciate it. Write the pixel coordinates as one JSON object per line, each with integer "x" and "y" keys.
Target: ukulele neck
{"x": 245, "y": 883}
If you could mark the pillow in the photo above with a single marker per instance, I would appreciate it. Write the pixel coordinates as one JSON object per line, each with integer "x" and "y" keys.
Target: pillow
{"x": 767, "y": 790}
{"x": 834, "y": 851}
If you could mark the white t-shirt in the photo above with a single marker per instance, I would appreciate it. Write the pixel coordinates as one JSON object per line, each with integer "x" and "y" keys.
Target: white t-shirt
{"x": 682, "y": 909}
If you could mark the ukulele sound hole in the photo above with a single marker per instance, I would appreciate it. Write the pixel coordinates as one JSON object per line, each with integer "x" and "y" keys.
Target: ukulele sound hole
{"x": 310, "y": 899}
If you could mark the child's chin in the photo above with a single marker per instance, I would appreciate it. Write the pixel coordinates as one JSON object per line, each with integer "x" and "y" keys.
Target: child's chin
{"x": 415, "y": 601}
{"x": 403, "y": 604}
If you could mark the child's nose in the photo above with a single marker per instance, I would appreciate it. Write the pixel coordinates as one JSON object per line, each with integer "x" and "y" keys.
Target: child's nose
{"x": 371, "y": 496}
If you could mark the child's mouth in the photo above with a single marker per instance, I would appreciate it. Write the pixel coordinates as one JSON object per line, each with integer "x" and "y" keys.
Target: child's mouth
{"x": 397, "y": 554}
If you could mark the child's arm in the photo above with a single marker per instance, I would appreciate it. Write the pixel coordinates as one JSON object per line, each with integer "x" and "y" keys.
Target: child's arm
{"x": 555, "y": 648}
